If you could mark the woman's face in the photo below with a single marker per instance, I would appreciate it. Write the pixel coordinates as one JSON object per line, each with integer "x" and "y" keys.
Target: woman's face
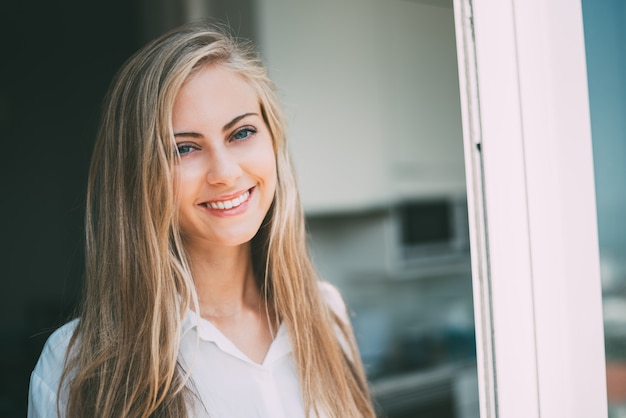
{"x": 226, "y": 176}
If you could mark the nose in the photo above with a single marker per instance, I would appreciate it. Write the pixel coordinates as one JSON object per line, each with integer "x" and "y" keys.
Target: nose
{"x": 223, "y": 168}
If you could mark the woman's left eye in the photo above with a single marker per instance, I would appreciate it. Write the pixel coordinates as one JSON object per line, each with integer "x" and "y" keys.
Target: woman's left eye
{"x": 244, "y": 133}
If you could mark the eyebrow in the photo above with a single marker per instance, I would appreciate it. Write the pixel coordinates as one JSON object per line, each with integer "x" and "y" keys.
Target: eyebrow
{"x": 226, "y": 127}
{"x": 237, "y": 119}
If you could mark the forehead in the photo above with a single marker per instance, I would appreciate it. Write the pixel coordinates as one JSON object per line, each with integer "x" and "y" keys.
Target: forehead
{"x": 213, "y": 92}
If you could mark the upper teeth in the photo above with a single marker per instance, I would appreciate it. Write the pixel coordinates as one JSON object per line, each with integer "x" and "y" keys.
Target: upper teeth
{"x": 229, "y": 204}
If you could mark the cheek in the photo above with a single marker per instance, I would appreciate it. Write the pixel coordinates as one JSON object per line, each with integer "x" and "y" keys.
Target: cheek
{"x": 271, "y": 171}
{"x": 184, "y": 190}
{"x": 186, "y": 175}
{"x": 178, "y": 193}
{"x": 261, "y": 161}
{"x": 179, "y": 186}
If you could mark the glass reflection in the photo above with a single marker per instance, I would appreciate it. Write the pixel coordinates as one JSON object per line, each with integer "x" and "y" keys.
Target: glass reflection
{"x": 371, "y": 90}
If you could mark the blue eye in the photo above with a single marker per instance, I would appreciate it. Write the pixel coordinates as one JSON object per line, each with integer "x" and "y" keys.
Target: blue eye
{"x": 244, "y": 133}
{"x": 184, "y": 149}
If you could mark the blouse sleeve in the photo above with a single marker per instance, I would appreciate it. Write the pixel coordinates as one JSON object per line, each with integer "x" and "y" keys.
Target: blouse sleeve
{"x": 334, "y": 300}
{"x": 43, "y": 391}
{"x": 42, "y": 400}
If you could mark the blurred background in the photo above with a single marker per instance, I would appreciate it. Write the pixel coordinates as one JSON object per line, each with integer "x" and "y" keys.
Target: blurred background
{"x": 605, "y": 41}
{"x": 57, "y": 61}
{"x": 371, "y": 91}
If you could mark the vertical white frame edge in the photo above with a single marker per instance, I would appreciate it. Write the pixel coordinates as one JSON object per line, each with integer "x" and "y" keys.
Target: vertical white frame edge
{"x": 470, "y": 111}
{"x": 532, "y": 211}
{"x": 561, "y": 205}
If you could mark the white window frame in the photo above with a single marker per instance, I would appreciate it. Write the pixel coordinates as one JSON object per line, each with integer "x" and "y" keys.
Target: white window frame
{"x": 531, "y": 197}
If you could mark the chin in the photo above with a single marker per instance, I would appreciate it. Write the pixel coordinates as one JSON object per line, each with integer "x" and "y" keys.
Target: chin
{"x": 235, "y": 240}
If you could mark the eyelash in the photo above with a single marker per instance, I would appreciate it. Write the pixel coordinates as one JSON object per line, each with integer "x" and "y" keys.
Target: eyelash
{"x": 247, "y": 129}
{"x": 180, "y": 147}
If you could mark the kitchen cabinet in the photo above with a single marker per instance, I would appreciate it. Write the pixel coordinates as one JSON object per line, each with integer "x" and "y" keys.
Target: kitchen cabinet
{"x": 412, "y": 317}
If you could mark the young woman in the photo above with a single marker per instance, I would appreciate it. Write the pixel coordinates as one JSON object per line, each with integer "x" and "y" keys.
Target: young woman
{"x": 200, "y": 297}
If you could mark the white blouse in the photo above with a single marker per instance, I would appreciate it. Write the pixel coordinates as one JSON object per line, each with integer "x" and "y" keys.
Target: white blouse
{"x": 228, "y": 383}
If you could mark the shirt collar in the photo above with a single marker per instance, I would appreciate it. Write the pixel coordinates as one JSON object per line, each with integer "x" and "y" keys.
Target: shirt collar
{"x": 207, "y": 331}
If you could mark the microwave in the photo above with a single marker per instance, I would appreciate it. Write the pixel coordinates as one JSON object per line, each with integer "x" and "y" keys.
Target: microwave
{"x": 431, "y": 230}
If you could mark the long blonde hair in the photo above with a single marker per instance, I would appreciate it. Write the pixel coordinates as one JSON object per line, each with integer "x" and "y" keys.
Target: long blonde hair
{"x": 122, "y": 360}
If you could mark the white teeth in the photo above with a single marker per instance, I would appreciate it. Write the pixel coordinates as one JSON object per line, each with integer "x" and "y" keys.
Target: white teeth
{"x": 229, "y": 204}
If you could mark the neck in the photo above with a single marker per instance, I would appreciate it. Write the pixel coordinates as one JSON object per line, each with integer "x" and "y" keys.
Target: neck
{"x": 224, "y": 280}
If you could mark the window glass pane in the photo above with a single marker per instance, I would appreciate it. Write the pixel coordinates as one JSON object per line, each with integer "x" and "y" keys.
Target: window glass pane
{"x": 605, "y": 39}
{"x": 371, "y": 88}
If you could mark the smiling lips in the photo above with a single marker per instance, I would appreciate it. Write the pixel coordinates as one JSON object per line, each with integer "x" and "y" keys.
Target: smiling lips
{"x": 229, "y": 204}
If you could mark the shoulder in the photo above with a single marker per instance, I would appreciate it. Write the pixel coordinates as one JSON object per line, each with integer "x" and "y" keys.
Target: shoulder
{"x": 335, "y": 302}
{"x": 333, "y": 299}
{"x": 45, "y": 378}
{"x": 53, "y": 353}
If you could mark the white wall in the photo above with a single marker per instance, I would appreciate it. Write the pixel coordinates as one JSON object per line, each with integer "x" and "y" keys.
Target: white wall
{"x": 371, "y": 91}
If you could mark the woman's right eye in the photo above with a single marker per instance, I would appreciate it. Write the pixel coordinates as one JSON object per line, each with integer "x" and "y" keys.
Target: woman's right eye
{"x": 184, "y": 149}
